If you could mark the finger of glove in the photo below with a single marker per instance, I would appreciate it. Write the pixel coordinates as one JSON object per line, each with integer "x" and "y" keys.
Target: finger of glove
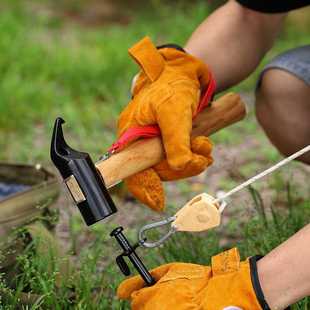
{"x": 146, "y": 186}
{"x": 196, "y": 166}
{"x": 174, "y": 118}
{"x": 202, "y": 145}
{"x": 140, "y": 110}
{"x": 127, "y": 287}
{"x": 201, "y": 159}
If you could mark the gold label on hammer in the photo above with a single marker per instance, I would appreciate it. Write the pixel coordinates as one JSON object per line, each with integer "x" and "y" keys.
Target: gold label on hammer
{"x": 75, "y": 189}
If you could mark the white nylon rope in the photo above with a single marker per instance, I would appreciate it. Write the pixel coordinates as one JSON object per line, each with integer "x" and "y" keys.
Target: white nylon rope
{"x": 263, "y": 173}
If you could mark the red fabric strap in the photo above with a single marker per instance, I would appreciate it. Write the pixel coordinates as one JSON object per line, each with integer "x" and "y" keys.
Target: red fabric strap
{"x": 207, "y": 97}
{"x": 134, "y": 133}
{"x": 152, "y": 131}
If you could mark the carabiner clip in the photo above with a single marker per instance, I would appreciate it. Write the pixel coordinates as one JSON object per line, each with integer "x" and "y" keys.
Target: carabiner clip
{"x": 142, "y": 238}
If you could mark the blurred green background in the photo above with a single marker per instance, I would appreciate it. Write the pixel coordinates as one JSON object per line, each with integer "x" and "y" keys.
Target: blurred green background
{"x": 69, "y": 58}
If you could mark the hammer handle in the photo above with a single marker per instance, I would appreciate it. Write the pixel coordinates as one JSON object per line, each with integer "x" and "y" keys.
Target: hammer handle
{"x": 145, "y": 153}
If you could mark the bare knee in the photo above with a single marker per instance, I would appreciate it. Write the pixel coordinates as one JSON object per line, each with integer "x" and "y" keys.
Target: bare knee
{"x": 282, "y": 109}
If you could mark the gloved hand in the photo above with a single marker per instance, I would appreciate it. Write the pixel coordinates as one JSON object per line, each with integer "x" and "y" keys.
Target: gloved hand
{"x": 167, "y": 92}
{"x": 227, "y": 284}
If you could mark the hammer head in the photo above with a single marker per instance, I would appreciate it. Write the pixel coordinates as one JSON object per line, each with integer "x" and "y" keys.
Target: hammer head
{"x": 81, "y": 177}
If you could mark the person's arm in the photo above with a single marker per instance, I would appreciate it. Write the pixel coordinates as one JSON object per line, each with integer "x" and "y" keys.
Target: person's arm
{"x": 284, "y": 273}
{"x": 233, "y": 40}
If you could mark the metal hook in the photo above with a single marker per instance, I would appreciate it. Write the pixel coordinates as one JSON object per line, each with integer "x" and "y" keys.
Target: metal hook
{"x": 142, "y": 238}
{"x": 141, "y": 234}
{"x": 219, "y": 198}
{"x": 106, "y": 156}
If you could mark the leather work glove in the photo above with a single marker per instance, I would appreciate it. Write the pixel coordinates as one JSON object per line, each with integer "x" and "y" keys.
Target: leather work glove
{"x": 227, "y": 284}
{"x": 167, "y": 93}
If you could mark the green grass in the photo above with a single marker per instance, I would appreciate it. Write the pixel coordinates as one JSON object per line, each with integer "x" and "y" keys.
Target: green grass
{"x": 51, "y": 66}
{"x": 82, "y": 75}
{"x": 93, "y": 284}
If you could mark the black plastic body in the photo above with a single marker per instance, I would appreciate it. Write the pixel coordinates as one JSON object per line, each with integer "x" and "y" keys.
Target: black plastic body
{"x": 98, "y": 203}
{"x": 129, "y": 251}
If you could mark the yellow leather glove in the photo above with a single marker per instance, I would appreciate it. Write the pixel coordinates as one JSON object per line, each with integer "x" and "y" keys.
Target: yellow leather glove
{"x": 227, "y": 284}
{"x": 167, "y": 92}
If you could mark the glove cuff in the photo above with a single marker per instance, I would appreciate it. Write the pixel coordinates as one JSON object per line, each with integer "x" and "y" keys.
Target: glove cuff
{"x": 256, "y": 284}
{"x": 172, "y": 45}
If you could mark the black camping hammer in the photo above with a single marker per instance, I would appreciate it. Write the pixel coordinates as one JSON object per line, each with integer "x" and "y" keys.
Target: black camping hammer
{"x": 89, "y": 192}
{"x": 88, "y": 182}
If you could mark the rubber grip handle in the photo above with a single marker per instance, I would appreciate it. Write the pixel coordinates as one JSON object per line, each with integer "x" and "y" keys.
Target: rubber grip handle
{"x": 145, "y": 153}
